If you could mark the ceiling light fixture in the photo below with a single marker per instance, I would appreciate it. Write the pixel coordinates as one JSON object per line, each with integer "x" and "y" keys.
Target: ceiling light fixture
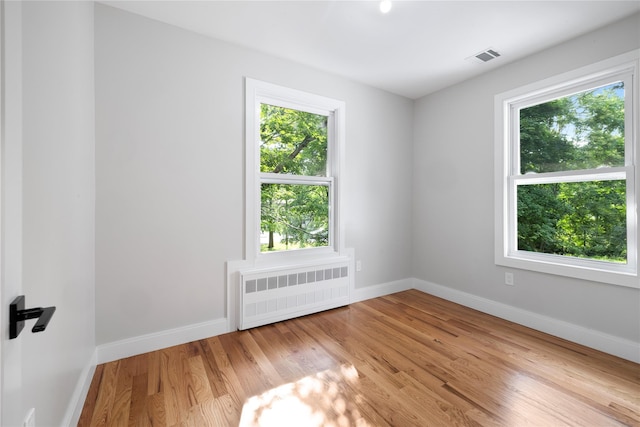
{"x": 385, "y": 6}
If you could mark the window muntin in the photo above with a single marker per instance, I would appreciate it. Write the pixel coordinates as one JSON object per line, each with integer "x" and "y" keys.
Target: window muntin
{"x": 571, "y": 143}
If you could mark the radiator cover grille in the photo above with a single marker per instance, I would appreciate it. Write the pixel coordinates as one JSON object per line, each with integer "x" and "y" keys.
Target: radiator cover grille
{"x": 273, "y": 295}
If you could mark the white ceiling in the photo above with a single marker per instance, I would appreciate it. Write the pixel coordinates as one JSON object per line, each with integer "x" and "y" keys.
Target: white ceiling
{"x": 417, "y": 48}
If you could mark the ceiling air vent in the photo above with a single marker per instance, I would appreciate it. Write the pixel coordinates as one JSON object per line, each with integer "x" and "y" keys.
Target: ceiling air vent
{"x": 484, "y": 56}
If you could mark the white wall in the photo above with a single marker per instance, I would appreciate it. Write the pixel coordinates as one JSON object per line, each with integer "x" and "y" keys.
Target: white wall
{"x": 169, "y": 185}
{"x": 169, "y": 172}
{"x": 11, "y": 204}
{"x": 169, "y": 180}
{"x": 454, "y": 194}
{"x": 58, "y": 203}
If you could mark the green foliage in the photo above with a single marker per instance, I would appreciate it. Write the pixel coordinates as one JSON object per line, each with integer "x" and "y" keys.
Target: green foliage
{"x": 602, "y": 122}
{"x": 298, "y": 213}
{"x": 585, "y": 219}
{"x": 294, "y": 142}
{"x": 581, "y": 219}
{"x": 543, "y": 146}
{"x": 539, "y": 212}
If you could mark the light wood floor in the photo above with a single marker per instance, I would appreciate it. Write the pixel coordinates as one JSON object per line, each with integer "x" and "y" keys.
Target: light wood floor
{"x": 407, "y": 359}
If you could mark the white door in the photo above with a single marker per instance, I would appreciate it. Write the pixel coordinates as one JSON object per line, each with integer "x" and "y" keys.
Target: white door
{"x": 11, "y": 411}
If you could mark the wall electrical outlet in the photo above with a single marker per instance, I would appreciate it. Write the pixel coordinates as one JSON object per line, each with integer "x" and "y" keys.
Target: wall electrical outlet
{"x": 358, "y": 265}
{"x": 30, "y": 419}
{"x": 508, "y": 279}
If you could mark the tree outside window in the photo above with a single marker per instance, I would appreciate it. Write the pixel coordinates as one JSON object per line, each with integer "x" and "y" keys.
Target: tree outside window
{"x": 293, "y": 143}
{"x": 584, "y": 219}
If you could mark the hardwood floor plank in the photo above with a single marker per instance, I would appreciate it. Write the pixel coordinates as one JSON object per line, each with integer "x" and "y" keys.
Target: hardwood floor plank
{"x": 154, "y": 414}
{"x": 154, "y": 384}
{"x": 90, "y": 403}
{"x": 106, "y": 395}
{"x": 138, "y": 410}
{"x": 172, "y": 376}
{"x": 226, "y": 411}
{"x": 198, "y": 381}
{"x": 227, "y": 373}
{"x": 424, "y": 359}
{"x": 213, "y": 373}
{"x": 445, "y": 411}
{"x": 122, "y": 399}
{"x": 369, "y": 365}
{"x": 292, "y": 355}
{"x": 389, "y": 406}
{"x": 247, "y": 365}
{"x": 407, "y": 359}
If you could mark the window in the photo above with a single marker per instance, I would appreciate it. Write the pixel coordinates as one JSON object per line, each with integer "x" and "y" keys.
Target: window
{"x": 294, "y": 143}
{"x": 566, "y": 181}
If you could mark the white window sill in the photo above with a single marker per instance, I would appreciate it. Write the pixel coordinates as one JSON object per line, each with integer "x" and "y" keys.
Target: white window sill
{"x": 613, "y": 274}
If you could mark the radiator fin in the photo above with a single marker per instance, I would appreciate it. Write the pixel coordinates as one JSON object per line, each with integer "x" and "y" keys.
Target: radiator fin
{"x": 268, "y": 296}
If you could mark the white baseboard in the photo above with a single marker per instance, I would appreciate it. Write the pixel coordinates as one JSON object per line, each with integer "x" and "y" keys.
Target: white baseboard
{"x": 610, "y": 344}
{"x": 362, "y": 294}
{"x": 74, "y": 410}
{"x": 159, "y": 340}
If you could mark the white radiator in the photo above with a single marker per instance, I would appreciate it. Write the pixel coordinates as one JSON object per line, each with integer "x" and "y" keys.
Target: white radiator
{"x": 273, "y": 295}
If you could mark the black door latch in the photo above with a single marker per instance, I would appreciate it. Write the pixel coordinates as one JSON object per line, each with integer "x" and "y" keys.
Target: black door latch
{"x": 18, "y": 315}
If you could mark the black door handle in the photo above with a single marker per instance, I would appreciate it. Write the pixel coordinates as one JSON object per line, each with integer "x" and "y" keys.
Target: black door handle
{"x": 18, "y": 315}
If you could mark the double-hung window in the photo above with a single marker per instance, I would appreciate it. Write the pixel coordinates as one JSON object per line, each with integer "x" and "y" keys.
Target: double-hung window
{"x": 293, "y": 152}
{"x": 566, "y": 174}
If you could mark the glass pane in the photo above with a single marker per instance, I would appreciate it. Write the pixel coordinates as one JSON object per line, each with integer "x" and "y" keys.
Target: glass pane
{"x": 581, "y": 219}
{"x": 294, "y": 216}
{"x": 581, "y": 131}
{"x": 292, "y": 141}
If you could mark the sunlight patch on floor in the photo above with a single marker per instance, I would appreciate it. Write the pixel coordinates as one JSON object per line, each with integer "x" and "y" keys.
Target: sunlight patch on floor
{"x": 323, "y": 399}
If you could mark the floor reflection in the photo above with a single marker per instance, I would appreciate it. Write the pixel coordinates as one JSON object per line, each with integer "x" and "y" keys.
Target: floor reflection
{"x": 326, "y": 399}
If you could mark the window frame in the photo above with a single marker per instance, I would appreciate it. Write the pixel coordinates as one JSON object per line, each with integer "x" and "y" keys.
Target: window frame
{"x": 508, "y": 175}
{"x": 259, "y": 92}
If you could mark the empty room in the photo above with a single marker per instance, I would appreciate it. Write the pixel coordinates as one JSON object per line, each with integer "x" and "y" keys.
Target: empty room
{"x": 319, "y": 213}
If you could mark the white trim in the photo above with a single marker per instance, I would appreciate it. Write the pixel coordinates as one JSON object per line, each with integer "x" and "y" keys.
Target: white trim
{"x": 610, "y": 344}
{"x": 607, "y": 343}
{"x": 233, "y": 269}
{"x": 159, "y": 340}
{"x": 605, "y": 174}
{"x": 506, "y": 178}
{"x": 257, "y": 92}
{"x": 588, "y": 73}
{"x": 145, "y": 343}
{"x": 274, "y": 178}
{"x": 11, "y": 194}
{"x": 2, "y": 337}
{"x": 76, "y": 403}
{"x": 380, "y": 290}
